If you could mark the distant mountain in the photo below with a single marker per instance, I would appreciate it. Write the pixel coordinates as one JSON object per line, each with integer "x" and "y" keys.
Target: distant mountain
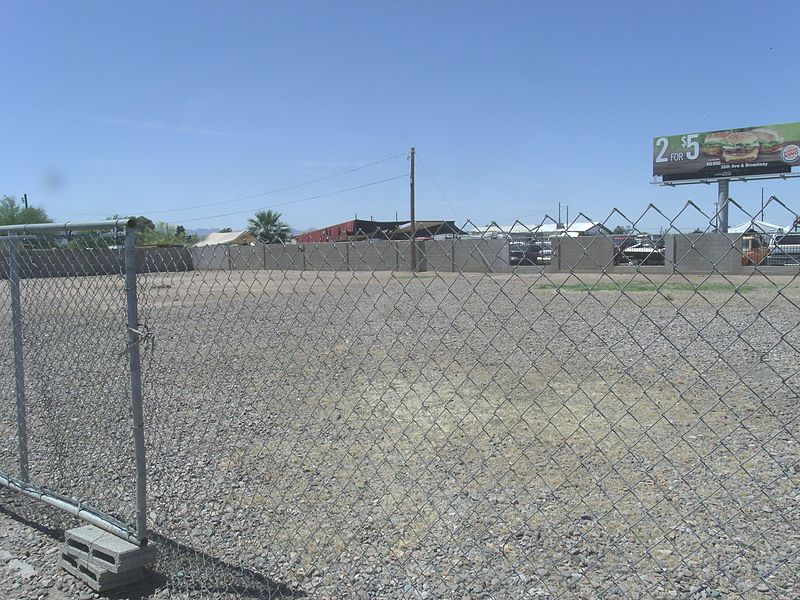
{"x": 202, "y": 232}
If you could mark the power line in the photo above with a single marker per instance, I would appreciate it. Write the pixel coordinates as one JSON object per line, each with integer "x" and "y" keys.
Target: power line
{"x": 283, "y": 189}
{"x": 258, "y": 195}
{"x": 424, "y": 166}
{"x": 315, "y": 197}
{"x": 520, "y": 217}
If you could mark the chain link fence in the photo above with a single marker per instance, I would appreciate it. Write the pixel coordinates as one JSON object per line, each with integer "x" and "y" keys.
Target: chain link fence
{"x": 66, "y": 394}
{"x": 339, "y": 420}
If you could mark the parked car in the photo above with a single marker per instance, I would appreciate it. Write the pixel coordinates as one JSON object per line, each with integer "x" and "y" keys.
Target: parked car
{"x": 645, "y": 251}
{"x": 546, "y": 252}
{"x": 785, "y": 250}
{"x": 523, "y": 252}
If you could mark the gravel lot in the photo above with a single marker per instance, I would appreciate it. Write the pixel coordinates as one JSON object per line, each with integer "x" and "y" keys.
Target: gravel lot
{"x": 363, "y": 434}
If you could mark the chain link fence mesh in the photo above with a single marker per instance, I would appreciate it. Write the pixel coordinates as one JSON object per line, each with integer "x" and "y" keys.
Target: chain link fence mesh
{"x": 598, "y": 418}
{"x": 77, "y": 383}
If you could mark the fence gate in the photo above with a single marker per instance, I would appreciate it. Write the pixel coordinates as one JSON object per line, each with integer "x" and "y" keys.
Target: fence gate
{"x": 70, "y": 401}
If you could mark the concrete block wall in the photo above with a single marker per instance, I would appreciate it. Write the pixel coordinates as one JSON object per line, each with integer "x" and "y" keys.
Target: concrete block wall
{"x": 262, "y": 256}
{"x": 164, "y": 260}
{"x": 326, "y": 256}
{"x": 439, "y": 255}
{"x": 289, "y": 257}
{"x": 246, "y": 258}
{"x": 210, "y": 258}
{"x": 582, "y": 254}
{"x": 703, "y": 253}
{"x": 373, "y": 255}
{"x": 691, "y": 253}
{"x": 57, "y": 262}
{"x": 404, "y": 261}
{"x": 481, "y": 256}
{"x": 68, "y": 262}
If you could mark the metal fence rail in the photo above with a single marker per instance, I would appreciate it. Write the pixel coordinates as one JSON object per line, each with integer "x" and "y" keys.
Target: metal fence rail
{"x": 333, "y": 420}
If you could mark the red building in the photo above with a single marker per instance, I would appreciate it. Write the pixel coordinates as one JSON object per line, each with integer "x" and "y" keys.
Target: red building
{"x": 358, "y": 229}
{"x": 355, "y": 229}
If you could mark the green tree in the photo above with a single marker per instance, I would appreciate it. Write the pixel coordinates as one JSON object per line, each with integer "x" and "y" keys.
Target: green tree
{"x": 162, "y": 234}
{"x": 620, "y": 230}
{"x": 152, "y": 234}
{"x": 93, "y": 239}
{"x": 11, "y": 213}
{"x": 143, "y": 224}
{"x": 268, "y": 228}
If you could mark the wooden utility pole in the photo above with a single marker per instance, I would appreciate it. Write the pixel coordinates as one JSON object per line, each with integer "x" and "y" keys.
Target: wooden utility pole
{"x": 25, "y": 199}
{"x": 413, "y": 216}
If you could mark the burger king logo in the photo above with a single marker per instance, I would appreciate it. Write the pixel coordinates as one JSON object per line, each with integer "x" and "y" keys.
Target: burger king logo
{"x": 790, "y": 153}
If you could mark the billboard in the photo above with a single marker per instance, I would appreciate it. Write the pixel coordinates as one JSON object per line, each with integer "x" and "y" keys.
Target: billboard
{"x": 762, "y": 150}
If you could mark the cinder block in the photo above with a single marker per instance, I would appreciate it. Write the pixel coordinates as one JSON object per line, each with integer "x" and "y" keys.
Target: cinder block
{"x": 100, "y": 580}
{"x": 105, "y": 551}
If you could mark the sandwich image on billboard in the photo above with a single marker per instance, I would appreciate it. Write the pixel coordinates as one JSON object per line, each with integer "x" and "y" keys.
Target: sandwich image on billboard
{"x": 769, "y": 140}
{"x": 762, "y": 150}
{"x": 740, "y": 147}
{"x": 712, "y": 143}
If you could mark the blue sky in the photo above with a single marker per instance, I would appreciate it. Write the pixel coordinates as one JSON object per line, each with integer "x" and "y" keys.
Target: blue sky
{"x": 149, "y": 107}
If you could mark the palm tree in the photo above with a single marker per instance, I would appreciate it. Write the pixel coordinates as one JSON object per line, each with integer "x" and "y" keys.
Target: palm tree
{"x": 268, "y": 228}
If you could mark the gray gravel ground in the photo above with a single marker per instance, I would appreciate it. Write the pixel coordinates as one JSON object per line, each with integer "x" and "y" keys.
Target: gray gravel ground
{"x": 29, "y": 556}
{"x": 461, "y": 436}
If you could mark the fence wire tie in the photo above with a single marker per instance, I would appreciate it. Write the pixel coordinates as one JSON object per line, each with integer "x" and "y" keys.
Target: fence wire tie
{"x": 143, "y": 337}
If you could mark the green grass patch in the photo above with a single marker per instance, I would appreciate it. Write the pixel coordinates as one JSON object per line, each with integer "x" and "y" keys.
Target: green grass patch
{"x": 608, "y": 286}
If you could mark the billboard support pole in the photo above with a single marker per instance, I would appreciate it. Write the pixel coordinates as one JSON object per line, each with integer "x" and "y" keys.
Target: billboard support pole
{"x": 722, "y": 199}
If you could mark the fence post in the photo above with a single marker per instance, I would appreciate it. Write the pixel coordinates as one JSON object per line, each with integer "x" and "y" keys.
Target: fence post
{"x": 134, "y": 337}
{"x": 19, "y": 368}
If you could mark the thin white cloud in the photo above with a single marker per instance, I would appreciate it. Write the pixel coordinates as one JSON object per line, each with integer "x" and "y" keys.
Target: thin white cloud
{"x": 106, "y": 162}
{"x": 155, "y": 125}
{"x": 317, "y": 164}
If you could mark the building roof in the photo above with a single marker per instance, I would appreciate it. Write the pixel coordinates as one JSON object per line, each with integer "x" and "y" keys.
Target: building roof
{"x": 358, "y": 229}
{"x": 427, "y": 227}
{"x": 236, "y": 238}
{"x": 757, "y": 227}
{"x": 577, "y": 228}
{"x": 353, "y": 229}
